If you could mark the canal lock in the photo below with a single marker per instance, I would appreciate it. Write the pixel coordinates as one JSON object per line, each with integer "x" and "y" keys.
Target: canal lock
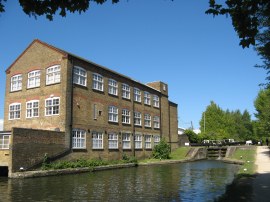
{"x": 216, "y": 152}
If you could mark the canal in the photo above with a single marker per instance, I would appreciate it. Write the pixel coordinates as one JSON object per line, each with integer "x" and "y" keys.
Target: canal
{"x": 194, "y": 181}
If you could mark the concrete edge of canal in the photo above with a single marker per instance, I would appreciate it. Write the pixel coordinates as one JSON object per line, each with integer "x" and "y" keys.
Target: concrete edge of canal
{"x": 45, "y": 173}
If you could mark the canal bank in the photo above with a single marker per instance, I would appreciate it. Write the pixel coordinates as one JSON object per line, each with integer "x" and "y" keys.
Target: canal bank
{"x": 192, "y": 154}
{"x": 253, "y": 186}
{"x": 190, "y": 181}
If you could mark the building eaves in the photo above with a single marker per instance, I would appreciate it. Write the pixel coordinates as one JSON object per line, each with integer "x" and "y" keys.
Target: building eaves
{"x": 105, "y": 68}
{"x": 36, "y": 41}
{"x": 66, "y": 53}
{"x": 173, "y": 103}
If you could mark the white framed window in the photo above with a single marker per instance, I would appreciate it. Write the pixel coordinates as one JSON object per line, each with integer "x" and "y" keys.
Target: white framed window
{"x": 147, "y": 120}
{"x": 113, "y": 141}
{"x": 147, "y": 98}
{"x": 98, "y": 82}
{"x": 137, "y": 95}
{"x": 32, "y": 109}
{"x": 53, "y": 74}
{"x": 156, "y": 122}
{"x": 33, "y": 79}
{"x": 14, "y": 111}
{"x": 126, "y": 140}
{"x": 4, "y": 141}
{"x": 138, "y": 141}
{"x": 79, "y": 76}
{"x": 16, "y": 83}
{"x": 113, "y": 114}
{"x": 52, "y": 106}
{"x": 97, "y": 140}
{"x": 156, "y": 140}
{"x": 125, "y": 91}
{"x": 155, "y": 101}
{"x": 78, "y": 139}
{"x": 113, "y": 87}
{"x": 164, "y": 87}
{"x": 147, "y": 142}
{"x": 125, "y": 116}
{"x": 137, "y": 118}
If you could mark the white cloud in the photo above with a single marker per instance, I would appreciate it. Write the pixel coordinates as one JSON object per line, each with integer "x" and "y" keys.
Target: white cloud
{"x": 1, "y": 124}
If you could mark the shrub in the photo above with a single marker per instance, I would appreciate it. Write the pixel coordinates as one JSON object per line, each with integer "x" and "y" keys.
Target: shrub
{"x": 129, "y": 159}
{"x": 162, "y": 150}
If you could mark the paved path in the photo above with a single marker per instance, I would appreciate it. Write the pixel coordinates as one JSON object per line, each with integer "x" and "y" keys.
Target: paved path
{"x": 261, "y": 184}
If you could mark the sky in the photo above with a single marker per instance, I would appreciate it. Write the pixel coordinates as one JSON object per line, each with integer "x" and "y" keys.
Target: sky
{"x": 198, "y": 56}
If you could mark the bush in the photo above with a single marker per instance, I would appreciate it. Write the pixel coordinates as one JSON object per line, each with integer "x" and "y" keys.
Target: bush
{"x": 129, "y": 159}
{"x": 162, "y": 150}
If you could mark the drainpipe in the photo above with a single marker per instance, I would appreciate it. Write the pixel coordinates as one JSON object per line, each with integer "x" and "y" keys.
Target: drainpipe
{"x": 71, "y": 104}
{"x": 160, "y": 117}
{"x": 170, "y": 139}
{"x": 133, "y": 108}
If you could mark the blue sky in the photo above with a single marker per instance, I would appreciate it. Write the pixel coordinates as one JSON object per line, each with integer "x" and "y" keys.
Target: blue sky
{"x": 172, "y": 41}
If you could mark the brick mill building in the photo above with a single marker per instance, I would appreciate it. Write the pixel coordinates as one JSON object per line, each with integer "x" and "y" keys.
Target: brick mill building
{"x": 58, "y": 103}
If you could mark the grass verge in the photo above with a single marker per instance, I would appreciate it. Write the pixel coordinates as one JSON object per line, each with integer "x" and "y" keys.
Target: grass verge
{"x": 248, "y": 156}
{"x": 179, "y": 154}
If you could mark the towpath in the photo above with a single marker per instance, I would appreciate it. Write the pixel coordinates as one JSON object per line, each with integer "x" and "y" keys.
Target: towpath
{"x": 261, "y": 184}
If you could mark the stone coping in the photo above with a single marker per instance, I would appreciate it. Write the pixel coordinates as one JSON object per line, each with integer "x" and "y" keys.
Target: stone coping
{"x": 170, "y": 161}
{"x": 45, "y": 173}
{"x": 233, "y": 161}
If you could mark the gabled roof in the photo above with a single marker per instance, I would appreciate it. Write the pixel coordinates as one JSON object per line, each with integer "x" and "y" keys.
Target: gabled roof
{"x": 43, "y": 43}
{"x": 66, "y": 54}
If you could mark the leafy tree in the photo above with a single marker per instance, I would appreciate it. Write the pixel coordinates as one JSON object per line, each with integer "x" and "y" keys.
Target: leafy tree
{"x": 227, "y": 124}
{"x": 192, "y": 136}
{"x": 262, "y": 106}
{"x": 162, "y": 150}
{"x": 214, "y": 120}
{"x": 251, "y": 20}
{"x": 50, "y": 7}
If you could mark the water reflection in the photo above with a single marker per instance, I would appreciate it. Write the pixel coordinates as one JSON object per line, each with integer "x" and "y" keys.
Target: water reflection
{"x": 197, "y": 181}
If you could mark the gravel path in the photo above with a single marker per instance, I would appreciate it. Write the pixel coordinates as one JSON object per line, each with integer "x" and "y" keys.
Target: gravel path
{"x": 261, "y": 184}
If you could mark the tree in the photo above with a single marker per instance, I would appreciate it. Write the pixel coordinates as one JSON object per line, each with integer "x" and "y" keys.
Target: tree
{"x": 213, "y": 118}
{"x": 192, "y": 136}
{"x": 227, "y": 124}
{"x": 251, "y": 21}
{"x": 50, "y": 7}
{"x": 262, "y": 106}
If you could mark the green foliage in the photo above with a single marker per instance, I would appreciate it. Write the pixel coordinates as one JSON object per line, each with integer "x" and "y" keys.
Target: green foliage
{"x": 80, "y": 163}
{"x": 262, "y": 105}
{"x": 129, "y": 159}
{"x": 193, "y": 137}
{"x": 84, "y": 163}
{"x": 50, "y": 7}
{"x": 220, "y": 124}
{"x": 162, "y": 150}
{"x": 251, "y": 21}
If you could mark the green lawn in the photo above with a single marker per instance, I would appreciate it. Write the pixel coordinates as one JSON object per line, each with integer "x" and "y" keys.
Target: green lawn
{"x": 248, "y": 155}
{"x": 178, "y": 154}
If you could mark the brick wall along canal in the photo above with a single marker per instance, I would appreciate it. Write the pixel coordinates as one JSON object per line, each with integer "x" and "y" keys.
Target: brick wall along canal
{"x": 195, "y": 181}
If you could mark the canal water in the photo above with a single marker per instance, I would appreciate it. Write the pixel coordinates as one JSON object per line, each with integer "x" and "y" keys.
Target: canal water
{"x": 194, "y": 181}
